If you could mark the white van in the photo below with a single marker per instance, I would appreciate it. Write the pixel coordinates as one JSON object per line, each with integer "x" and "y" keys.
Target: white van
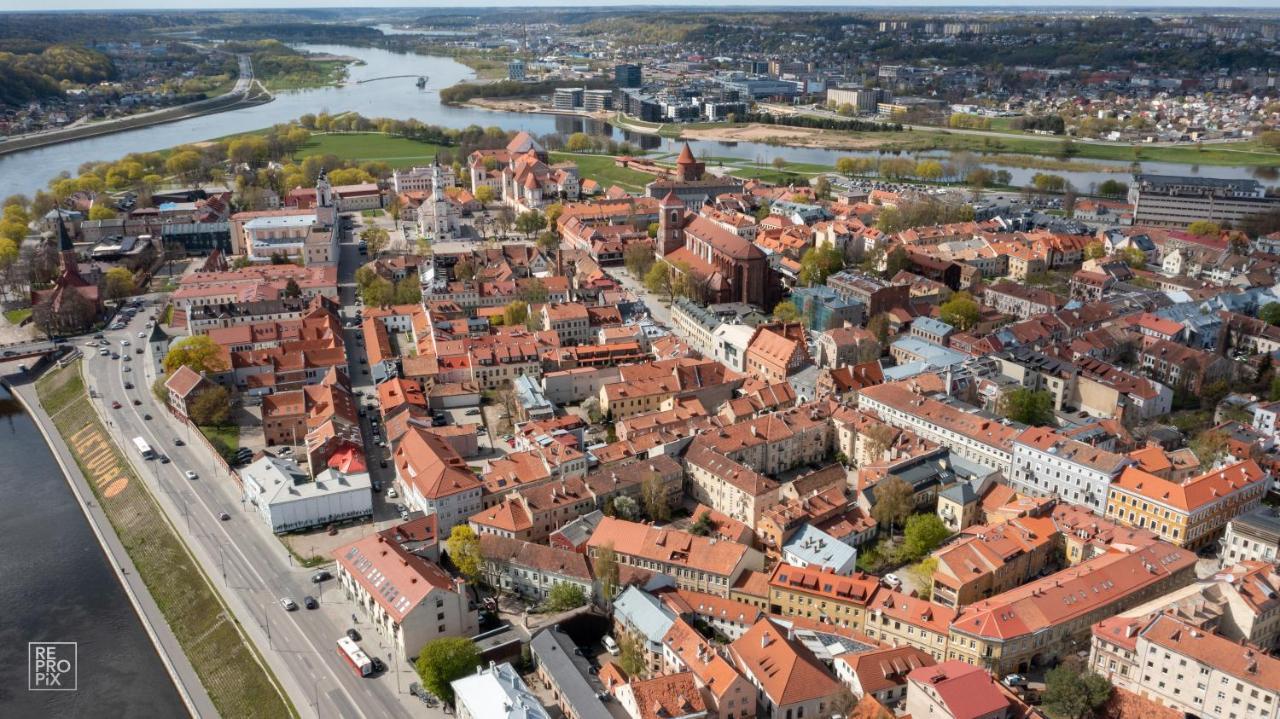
{"x": 610, "y": 645}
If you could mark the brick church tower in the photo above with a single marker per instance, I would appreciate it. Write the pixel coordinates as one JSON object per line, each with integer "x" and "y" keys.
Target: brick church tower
{"x": 670, "y": 224}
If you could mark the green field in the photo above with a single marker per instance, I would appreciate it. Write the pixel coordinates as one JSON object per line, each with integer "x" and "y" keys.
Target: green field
{"x": 370, "y": 146}
{"x": 602, "y": 169}
{"x": 237, "y": 681}
{"x": 17, "y": 316}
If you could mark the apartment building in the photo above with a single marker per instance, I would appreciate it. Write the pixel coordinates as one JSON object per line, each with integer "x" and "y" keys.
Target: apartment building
{"x": 990, "y": 559}
{"x": 727, "y": 486}
{"x": 1015, "y": 300}
{"x": 880, "y": 673}
{"x": 821, "y": 595}
{"x": 408, "y": 599}
{"x": 1032, "y": 624}
{"x": 955, "y": 690}
{"x": 729, "y": 694}
{"x": 900, "y": 619}
{"x": 1188, "y": 514}
{"x": 569, "y": 320}
{"x": 1045, "y": 463}
{"x": 968, "y": 434}
{"x": 1187, "y": 668}
{"x": 532, "y": 570}
{"x": 790, "y": 681}
{"x": 775, "y": 442}
{"x": 701, "y": 564}
{"x": 434, "y": 479}
{"x": 1240, "y": 602}
{"x": 1252, "y": 536}
{"x": 1183, "y": 367}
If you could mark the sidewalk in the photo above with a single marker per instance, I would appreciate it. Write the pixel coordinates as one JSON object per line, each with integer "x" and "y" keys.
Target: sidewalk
{"x": 167, "y": 647}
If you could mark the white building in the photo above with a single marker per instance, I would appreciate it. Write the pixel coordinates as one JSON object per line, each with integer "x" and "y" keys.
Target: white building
{"x": 421, "y": 179}
{"x": 1252, "y": 536}
{"x": 408, "y": 599}
{"x": 497, "y": 692}
{"x": 280, "y": 234}
{"x": 1046, "y": 463}
{"x": 437, "y": 217}
{"x": 811, "y": 546}
{"x": 434, "y": 479}
{"x": 289, "y": 500}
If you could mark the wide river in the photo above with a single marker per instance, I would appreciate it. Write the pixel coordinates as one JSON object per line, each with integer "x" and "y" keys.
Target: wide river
{"x": 58, "y": 586}
{"x": 399, "y": 98}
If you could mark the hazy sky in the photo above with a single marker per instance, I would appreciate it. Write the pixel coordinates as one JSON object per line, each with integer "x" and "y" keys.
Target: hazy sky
{"x": 263, "y": 4}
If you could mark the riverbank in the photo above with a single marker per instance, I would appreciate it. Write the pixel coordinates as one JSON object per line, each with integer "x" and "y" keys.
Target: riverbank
{"x": 235, "y": 680}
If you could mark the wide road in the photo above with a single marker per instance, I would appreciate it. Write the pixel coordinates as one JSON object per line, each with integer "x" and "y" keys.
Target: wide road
{"x": 248, "y": 565}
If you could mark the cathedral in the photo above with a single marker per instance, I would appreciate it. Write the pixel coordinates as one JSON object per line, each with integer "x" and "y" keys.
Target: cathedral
{"x": 437, "y": 216}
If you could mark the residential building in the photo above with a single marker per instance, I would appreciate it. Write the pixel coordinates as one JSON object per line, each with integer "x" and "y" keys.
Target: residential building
{"x": 532, "y": 570}
{"x": 434, "y": 479}
{"x": 1034, "y": 623}
{"x": 789, "y": 679}
{"x": 564, "y": 672}
{"x": 728, "y": 694}
{"x": 670, "y": 696}
{"x": 643, "y": 618}
{"x": 184, "y": 386}
{"x": 822, "y": 595}
{"x": 989, "y": 559}
{"x": 955, "y": 690}
{"x": 698, "y": 563}
{"x": 1045, "y": 463}
{"x": 880, "y": 673}
{"x": 1171, "y": 201}
{"x": 812, "y": 547}
{"x": 1182, "y": 367}
{"x": 1252, "y": 536}
{"x": 727, "y": 486}
{"x": 1191, "y": 513}
{"x": 495, "y": 692}
{"x": 1187, "y": 668}
{"x": 876, "y": 295}
{"x": 408, "y": 600}
{"x": 971, "y": 435}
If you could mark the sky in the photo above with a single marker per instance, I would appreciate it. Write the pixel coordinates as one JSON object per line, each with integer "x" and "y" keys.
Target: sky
{"x": 700, "y": 4}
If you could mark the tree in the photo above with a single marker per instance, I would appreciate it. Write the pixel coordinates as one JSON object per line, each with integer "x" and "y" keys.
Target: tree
{"x": 1132, "y": 256}
{"x": 444, "y": 660}
{"x": 515, "y": 313}
{"x": 463, "y": 547}
{"x": 1028, "y": 406}
{"x": 376, "y": 238}
{"x": 786, "y": 311}
{"x": 1113, "y": 188}
{"x": 605, "y": 567}
{"x": 534, "y": 291}
{"x": 638, "y": 259}
{"x": 879, "y": 326}
{"x": 895, "y": 500}
{"x": 101, "y": 212}
{"x": 1095, "y": 250}
{"x": 818, "y": 263}
{"x": 1209, "y": 446}
{"x": 547, "y": 241}
{"x": 703, "y": 525}
{"x": 896, "y": 261}
{"x": 118, "y": 283}
{"x": 779, "y": 163}
{"x": 578, "y": 142}
{"x": 484, "y": 194}
{"x": 408, "y": 291}
{"x": 1204, "y": 228}
{"x": 199, "y": 352}
{"x": 660, "y": 280}
{"x": 292, "y": 289}
{"x": 1270, "y": 313}
{"x": 378, "y": 293}
{"x": 631, "y": 656}
{"x": 1073, "y": 692}
{"x": 654, "y": 495}
{"x": 626, "y": 507}
{"x": 923, "y": 534}
{"x": 212, "y": 407}
{"x": 530, "y": 222}
{"x": 960, "y": 311}
{"x": 464, "y": 270}
{"x": 822, "y": 188}
{"x": 922, "y": 572}
{"x": 565, "y": 596}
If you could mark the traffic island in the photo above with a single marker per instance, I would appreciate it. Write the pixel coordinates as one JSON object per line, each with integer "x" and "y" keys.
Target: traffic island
{"x": 237, "y": 680}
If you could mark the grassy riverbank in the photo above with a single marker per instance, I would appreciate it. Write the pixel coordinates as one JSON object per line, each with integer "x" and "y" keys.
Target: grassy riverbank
{"x": 604, "y": 170}
{"x": 369, "y": 146}
{"x": 238, "y": 682}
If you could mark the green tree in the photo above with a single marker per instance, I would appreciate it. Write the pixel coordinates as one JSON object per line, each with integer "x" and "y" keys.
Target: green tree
{"x": 1095, "y": 250}
{"x": 923, "y": 534}
{"x": 1209, "y": 446}
{"x": 922, "y": 572}
{"x": 534, "y": 291}
{"x": 444, "y": 660}
{"x": 376, "y": 238}
{"x": 1270, "y": 313}
{"x": 530, "y": 222}
{"x": 1204, "y": 228}
{"x": 895, "y": 500}
{"x": 660, "y": 280}
{"x": 515, "y": 313}
{"x": 879, "y": 326}
{"x": 703, "y": 525}
{"x": 818, "y": 263}
{"x": 896, "y": 261}
{"x": 212, "y": 407}
{"x": 484, "y": 194}
{"x": 1113, "y": 188}
{"x": 292, "y": 288}
{"x": 378, "y": 293}
{"x": 1073, "y": 692}
{"x": 463, "y": 547}
{"x": 961, "y": 311}
{"x": 631, "y": 656}
{"x": 199, "y": 352}
{"x": 638, "y": 259}
{"x": 822, "y": 188}
{"x": 408, "y": 291}
{"x": 578, "y": 142}
{"x": 564, "y": 596}
{"x": 1132, "y": 256}
{"x": 1028, "y": 406}
{"x": 605, "y": 567}
{"x": 786, "y": 311}
{"x": 101, "y": 212}
{"x": 464, "y": 271}
{"x": 118, "y": 283}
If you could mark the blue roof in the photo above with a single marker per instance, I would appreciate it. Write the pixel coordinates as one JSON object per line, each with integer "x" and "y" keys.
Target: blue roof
{"x": 928, "y": 352}
{"x": 645, "y": 613}
{"x": 814, "y": 546}
{"x": 932, "y": 326}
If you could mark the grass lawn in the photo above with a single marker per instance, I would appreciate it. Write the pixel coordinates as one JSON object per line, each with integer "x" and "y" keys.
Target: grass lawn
{"x": 364, "y": 146}
{"x": 17, "y": 316}
{"x": 236, "y": 679}
{"x": 602, "y": 169}
{"x": 225, "y": 436}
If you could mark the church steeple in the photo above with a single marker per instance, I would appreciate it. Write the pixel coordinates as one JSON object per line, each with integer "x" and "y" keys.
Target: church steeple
{"x": 64, "y": 238}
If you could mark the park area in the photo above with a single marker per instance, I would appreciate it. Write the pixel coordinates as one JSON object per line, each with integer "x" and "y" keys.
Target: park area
{"x": 398, "y": 152}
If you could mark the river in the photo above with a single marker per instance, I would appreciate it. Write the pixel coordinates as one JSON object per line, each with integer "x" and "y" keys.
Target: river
{"x": 58, "y": 586}
{"x": 399, "y": 98}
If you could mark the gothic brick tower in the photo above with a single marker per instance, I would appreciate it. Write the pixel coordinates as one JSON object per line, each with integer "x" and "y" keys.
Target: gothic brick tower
{"x": 670, "y": 224}
{"x": 687, "y": 168}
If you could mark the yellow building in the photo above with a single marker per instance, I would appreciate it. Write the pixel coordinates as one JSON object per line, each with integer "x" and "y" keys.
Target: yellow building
{"x": 1189, "y": 514}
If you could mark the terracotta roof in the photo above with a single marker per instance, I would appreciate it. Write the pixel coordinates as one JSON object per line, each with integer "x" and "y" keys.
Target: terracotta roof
{"x": 670, "y": 695}
{"x": 397, "y": 579}
{"x": 668, "y": 546}
{"x": 782, "y": 666}
{"x": 967, "y": 691}
{"x": 430, "y": 464}
{"x": 183, "y": 380}
{"x": 1244, "y": 663}
{"x": 885, "y": 668}
{"x": 1196, "y": 492}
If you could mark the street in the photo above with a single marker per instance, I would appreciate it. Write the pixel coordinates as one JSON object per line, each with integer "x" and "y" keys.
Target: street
{"x": 249, "y": 566}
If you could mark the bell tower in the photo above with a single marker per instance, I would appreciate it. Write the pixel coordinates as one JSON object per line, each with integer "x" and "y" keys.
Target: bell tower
{"x": 670, "y": 225}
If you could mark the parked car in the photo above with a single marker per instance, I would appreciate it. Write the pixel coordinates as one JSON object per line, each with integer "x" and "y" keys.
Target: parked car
{"x": 610, "y": 645}
{"x": 310, "y": 602}
{"x": 1014, "y": 680}
{"x": 288, "y": 604}
{"x": 320, "y": 576}
{"x": 224, "y": 516}
{"x": 891, "y": 581}
{"x": 353, "y": 635}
